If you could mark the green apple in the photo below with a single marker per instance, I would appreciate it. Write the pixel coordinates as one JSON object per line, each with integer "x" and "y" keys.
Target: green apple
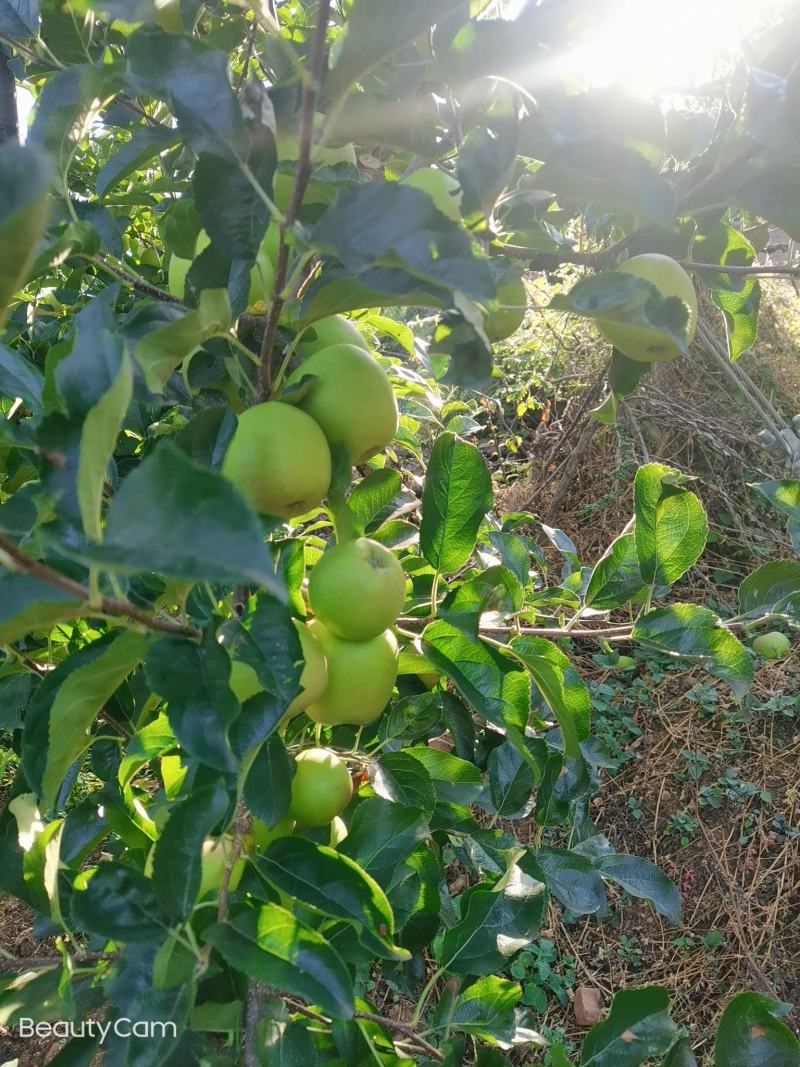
{"x": 279, "y": 460}
{"x": 512, "y": 301}
{"x": 313, "y": 678}
{"x": 357, "y": 589}
{"x": 651, "y": 345}
{"x": 773, "y": 645}
{"x": 351, "y": 399}
{"x": 263, "y": 835}
{"x": 334, "y": 330}
{"x": 178, "y": 268}
{"x": 216, "y": 856}
{"x": 361, "y": 677}
{"x": 321, "y": 787}
{"x": 441, "y": 187}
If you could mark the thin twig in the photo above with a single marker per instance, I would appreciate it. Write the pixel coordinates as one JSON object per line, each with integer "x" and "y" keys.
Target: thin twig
{"x": 756, "y": 268}
{"x": 239, "y": 826}
{"x": 133, "y": 281}
{"x": 382, "y": 1020}
{"x": 33, "y": 963}
{"x": 105, "y": 605}
{"x": 310, "y": 88}
{"x": 619, "y": 632}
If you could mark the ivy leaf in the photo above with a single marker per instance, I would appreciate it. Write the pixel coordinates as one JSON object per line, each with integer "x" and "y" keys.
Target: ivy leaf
{"x": 696, "y": 633}
{"x": 561, "y": 686}
{"x": 641, "y": 878}
{"x": 457, "y": 496}
{"x": 24, "y": 182}
{"x": 750, "y": 1034}
{"x": 272, "y": 946}
{"x": 671, "y": 525}
{"x": 638, "y": 1028}
{"x": 333, "y": 884}
{"x": 101, "y": 428}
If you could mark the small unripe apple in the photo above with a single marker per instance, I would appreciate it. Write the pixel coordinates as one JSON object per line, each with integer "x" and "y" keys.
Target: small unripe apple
{"x": 443, "y": 189}
{"x": 279, "y": 460}
{"x": 263, "y": 835}
{"x": 351, "y": 398}
{"x": 217, "y": 853}
{"x": 645, "y": 345}
{"x": 512, "y": 300}
{"x": 333, "y": 330}
{"x": 773, "y": 645}
{"x": 313, "y": 678}
{"x": 178, "y": 268}
{"x": 357, "y": 589}
{"x": 361, "y": 677}
{"x": 321, "y": 787}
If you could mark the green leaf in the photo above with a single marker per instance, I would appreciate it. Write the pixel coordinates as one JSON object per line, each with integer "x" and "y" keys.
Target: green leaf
{"x": 186, "y": 521}
{"x": 616, "y": 297}
{"x": 772, "y": 194}
{"x": 570, "y": 877}
{"x": 764, "y": 588}
{"x": 267, "y": 788}
{"x": 373, "y": 494}
{"x": 457, "y": 496}
{"x": 486, "y": 1008}
{"x": 671, "y": 525}
{"x": 177, "y": 854}
{"x": 641, "y": 878}
{"x": 737, "y": 297}
{"x": 232, "y": 212}
{"x": 681, "y": 1055}
{"x": 386, "y": 224}
{"x": 638, "y": 1028}
{"x": 401, "y": 778}
{"x": 165, "y": 348}
{"x": 561, "y": 686}
{"x": 146, "y": 143}
{"x": 785, "y": 496}
{"x": 119, "y": 904}
{"x": 335, "y": 885}
{"x": 455, "y": 780}
{"x": 20, "y": 377}
{"x": 28, "y": 604}
{"x": 376, "y": 28}
{"x": 98, "y": 440}
{"x": 78, "y": 701}
{"x": 151, "y": 741}
{"x": 511, "y": 780}
{"x": 616, "y": 578}
{"x": 750, "y": 1035}
{"x": 267, "y": 640}
{"x": 194, "y": 680}
{"x": 483, "y": 677}
{"x": 382, "y": 834}
{"x": 696, "y": 633}
{"x": 41, "y": 996}
{"x": 272, "y": 946}
{"x": 496, "y": 922}
{"x": 19, "y": 18}
{"x": 24, "y": 182}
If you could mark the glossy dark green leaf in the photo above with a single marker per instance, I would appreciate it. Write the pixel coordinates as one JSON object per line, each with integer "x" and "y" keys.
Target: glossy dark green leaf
{"x": 457, "y": 496}
{"x": 486, "y": 1008}
{"x": 20, "y": 377}
{"x": 671, "y": 525}
{"x": 185, "y": 521}
{"x": 496, "y": 922}
{"x": 641, "y": 878}
{"x": 638, "y": 1028}
{"x": 616, "y": 578}
{"x": 696, "y": 633}
{"x": 386, "y": 224}
{"x": 483, "y": 677}
{"x": 163, "y": 349}
{"x": 561, "y": 686}
{"x": 382, "y": 834}
{"x": 750, "y": 1034}
{"x": 401, "y": 778}
{"x": 267, "y": 640}
{"x": 459, "y": 354}
{"x": 232, "y": 212}
{"x": 269, "y": 780}
{"x": 176, "y": 858}
{"x": 146, "y": 143}
{"x": 194, "y": 680}
{"x": 455, "y": 780}
{"x": 120, "y": 904}
{"x": 193, "y": 79}
{"x": 333, "y": 884}
{"x": 511, "y": 780}
{"x": 272, "y": 946}
{"x": 24, "y": 181}
{"x": 570, "y": 877}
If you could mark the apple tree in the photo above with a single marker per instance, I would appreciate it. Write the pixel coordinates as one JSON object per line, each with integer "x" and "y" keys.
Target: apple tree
{"x": 271, "y": 656}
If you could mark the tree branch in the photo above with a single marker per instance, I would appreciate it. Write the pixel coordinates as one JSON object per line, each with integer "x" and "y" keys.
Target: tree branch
{"x": 621, "y": 632}
{"x": 133, "y": 281}
{"x": 9, "y": 121}
{"x": 106, "y": 605}
{"x": 383, "y": 1020}
{"x": 33, "y": 963}
{"x": 310, "y": 89}
{"x": 756, "y": 268}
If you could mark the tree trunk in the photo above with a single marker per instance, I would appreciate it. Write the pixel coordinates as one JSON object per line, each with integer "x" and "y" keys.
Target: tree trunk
{"x": 9, "y": 123}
